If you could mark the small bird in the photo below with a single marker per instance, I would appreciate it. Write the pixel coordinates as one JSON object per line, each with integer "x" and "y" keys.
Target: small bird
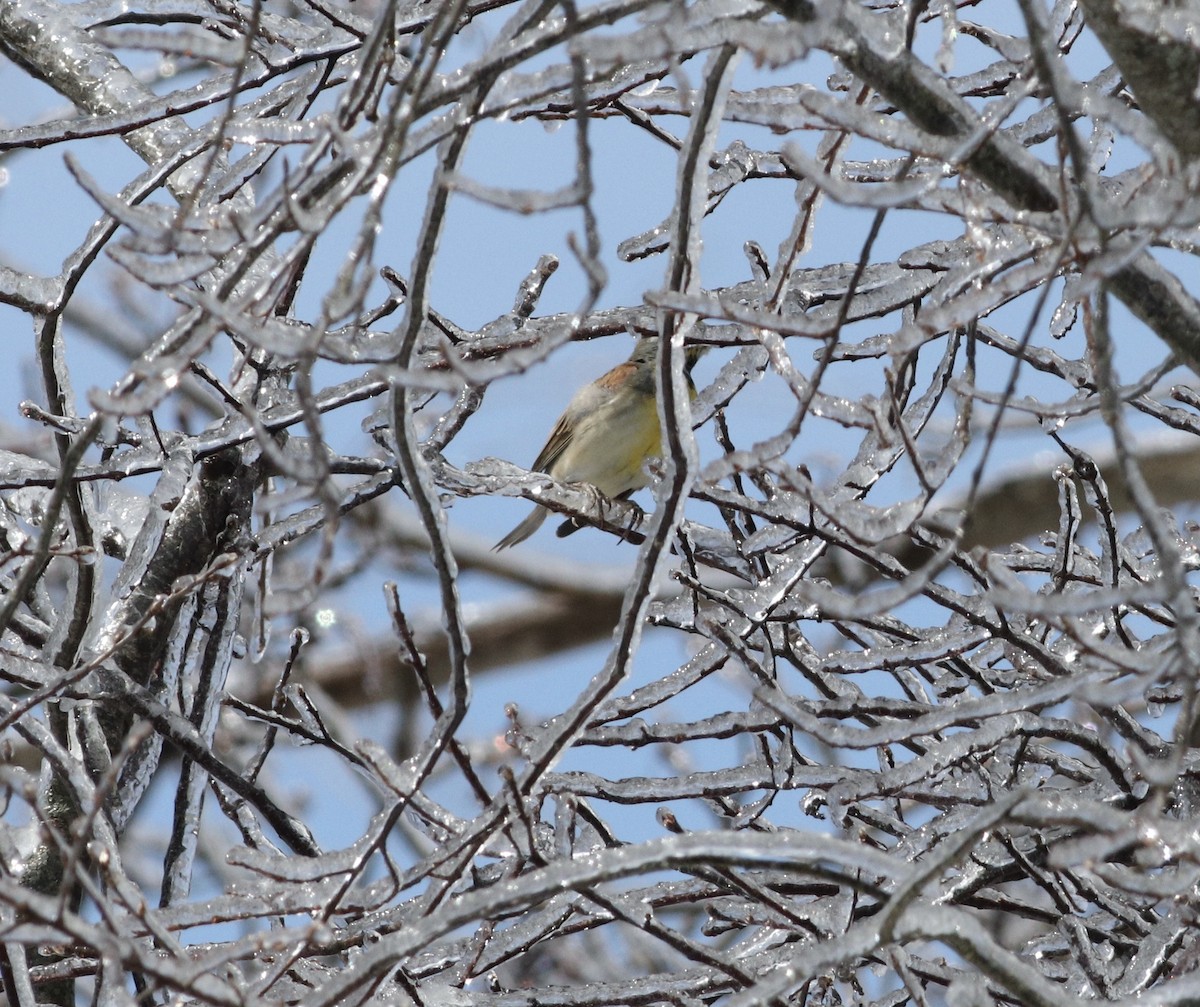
{"x": 606, "y": 434}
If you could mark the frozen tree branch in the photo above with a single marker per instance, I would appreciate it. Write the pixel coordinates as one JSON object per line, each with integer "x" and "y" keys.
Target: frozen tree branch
{"x": 891, "y": 697}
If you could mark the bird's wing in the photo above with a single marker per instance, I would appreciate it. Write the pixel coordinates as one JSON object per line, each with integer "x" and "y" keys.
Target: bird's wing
{"x": 556, "y": 443}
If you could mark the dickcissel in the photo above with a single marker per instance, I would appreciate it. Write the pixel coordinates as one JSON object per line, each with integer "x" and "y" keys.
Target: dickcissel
{"x": 608, "y": 431}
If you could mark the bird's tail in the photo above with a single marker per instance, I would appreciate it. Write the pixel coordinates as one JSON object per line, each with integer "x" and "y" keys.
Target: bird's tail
{"x": 522, "y": 531}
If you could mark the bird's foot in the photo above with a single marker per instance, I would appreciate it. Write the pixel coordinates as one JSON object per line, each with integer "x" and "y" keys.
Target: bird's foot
{"x": 572, "y": 525}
